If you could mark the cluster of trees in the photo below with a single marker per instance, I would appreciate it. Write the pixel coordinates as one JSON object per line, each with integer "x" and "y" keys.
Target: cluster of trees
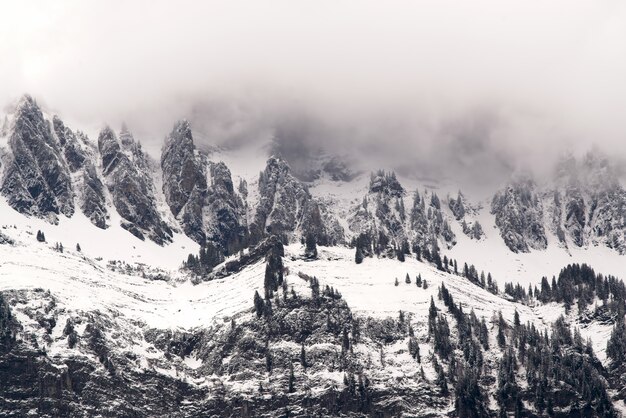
{"x": 466, "y": 371}
{"x": 616, "y": 345}
{"x": 419, "y": 282}
{"x": 559, "y": 368}
{"x": 385, "y": 183}
{"x": 457, "y": 207}
{"x": 475, "y": 231}
{"x": 429, "y": 223}
{"x": 368, "y": 246}
{"x": 576, "y": 283}
{"x": 210, "y": 255}
{"x": 272, "y": 281}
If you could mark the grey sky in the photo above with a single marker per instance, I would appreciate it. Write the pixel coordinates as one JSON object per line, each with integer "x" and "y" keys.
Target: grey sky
{"x": 516, "y": 77}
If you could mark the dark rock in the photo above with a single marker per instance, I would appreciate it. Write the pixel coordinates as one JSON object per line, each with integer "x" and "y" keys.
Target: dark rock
{"x": 37, "y": 180}
{"x": 132, "y": 190}
{"x": 519, "y": 216}
{"x": 286, "y": 207}
{"x": 207, "y": 211}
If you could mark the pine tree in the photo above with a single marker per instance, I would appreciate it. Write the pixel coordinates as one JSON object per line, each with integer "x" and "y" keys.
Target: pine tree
{"x": 400, "y": 256}
{"x": 268, "y": 361}
{"x": 407, "y": 279}
{"x": 345, "y": 341}
{"x": 292, "y": 379}
{"x": 259, "y": 305}
{"x": 78, "y": 247}
{"x": 311, "y": 247}
{"x": 315, "y": 289}
{"x": 397, "y": 282}
{"x": 303, "y": 357}
{"x": 358, "y": 257}
{"x": 501, "y": 335}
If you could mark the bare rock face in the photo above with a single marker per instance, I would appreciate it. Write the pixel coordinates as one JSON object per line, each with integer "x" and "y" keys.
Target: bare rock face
{"x": 518, "y": 214}
{"x": 36, "y": 180}
{"x": 591, "y": 203}
{"x": 87, "y": 185}
{"x": 70, "y": 144}
{"x": 390, "y": 226}
{"x": 200, "y": 193}
{"x": 131, "y": 189}
{"x": 286, "y": 208}
{"x": 183, "y": 172}
{"x": 92, "y": 198}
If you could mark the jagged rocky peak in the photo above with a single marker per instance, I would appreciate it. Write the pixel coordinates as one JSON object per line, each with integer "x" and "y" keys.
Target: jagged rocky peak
{"x": 287, "y": 209}
{"x": 109, "y": 148}
{"x": 383, "y": 220}
{"x": 588, "y": 202}
{"x": 281, "y": 201}
{"x": 132, "y": 190}
{"x": 518, "y": 214}
{"x": 36, "y": 179}
{"x": 126, "y": 138}
{"x": 87, "y": 185}
{"x": 200, "y": 193}
{"x": 594, "y": 171}
{"x": 183, "y": 171}
{"x": 225, "y": 219}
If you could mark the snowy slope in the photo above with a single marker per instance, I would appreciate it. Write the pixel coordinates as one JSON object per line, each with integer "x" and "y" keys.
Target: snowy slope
{"x": 134, "y": 309}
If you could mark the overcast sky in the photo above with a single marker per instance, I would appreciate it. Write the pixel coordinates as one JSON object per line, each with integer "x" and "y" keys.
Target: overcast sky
{"x": 513, "y": 77}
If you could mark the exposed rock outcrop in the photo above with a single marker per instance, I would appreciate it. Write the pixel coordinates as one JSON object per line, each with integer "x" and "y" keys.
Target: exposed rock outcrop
{"x": 87, "y": 184}
{"x": 36, "y": 179}
{"x": 287, "y": 209}
{"x": 132, "y": 190}
{"x": 200, "y": 193}
{"x": 518, "y": 214}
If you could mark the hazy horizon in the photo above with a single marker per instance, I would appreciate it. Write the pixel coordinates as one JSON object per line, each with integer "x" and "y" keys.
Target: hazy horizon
{"x": 480, "y": 88}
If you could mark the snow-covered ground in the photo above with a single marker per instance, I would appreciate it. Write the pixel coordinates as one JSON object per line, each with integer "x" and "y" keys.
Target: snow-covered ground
{"x": 113, "y": 243}
{"x": 369, "y": 289}
{"x": 492, "y": 255}
{"x": 82, "y": 283}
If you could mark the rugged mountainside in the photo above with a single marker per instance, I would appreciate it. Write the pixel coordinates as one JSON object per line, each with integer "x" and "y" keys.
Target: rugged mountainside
{"x": 590, "y": 204}
{"x": 286, "y": 207}
{"x": 385, "y": 226}
{"x": 48, "y": 170}
{"x": 584, "y": 206}
{"x": 518, "y": 212}
{"x": 36, "y": 179}
{"x": 328, "y": 337}
{"x": 322, "y": 291}
{"x": 201, "y": 195}
{"x": 80, "y": 156}
{"x": 131, "y": 187}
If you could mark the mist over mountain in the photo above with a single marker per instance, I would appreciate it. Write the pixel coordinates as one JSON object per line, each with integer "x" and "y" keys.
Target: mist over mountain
{"x": 296, "y": 209}
{"x": 479, "y": 88}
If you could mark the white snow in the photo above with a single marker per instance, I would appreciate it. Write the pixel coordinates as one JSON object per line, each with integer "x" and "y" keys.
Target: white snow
{"x": 113, "y": 243}
{"x": 84, "y": 284}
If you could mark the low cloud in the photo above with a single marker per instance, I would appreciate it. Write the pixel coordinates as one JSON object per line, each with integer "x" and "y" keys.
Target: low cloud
{"x": 480, "y": 87}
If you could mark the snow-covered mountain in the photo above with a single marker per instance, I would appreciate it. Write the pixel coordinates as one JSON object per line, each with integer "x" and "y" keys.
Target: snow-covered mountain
{"x": 222, "y": 282}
